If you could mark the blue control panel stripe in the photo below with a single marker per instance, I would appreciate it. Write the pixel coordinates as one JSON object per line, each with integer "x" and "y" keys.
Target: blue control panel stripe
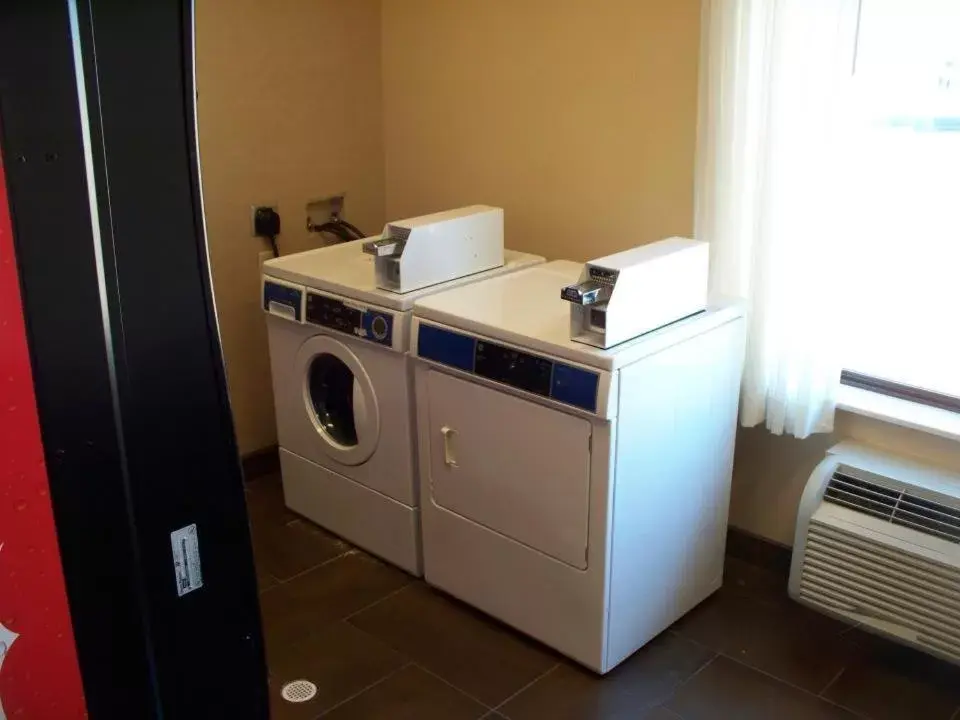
{"x": 446, "y": 347}
{"x": 568, "y": 384}
{"x": 574, "y": 386}
{"x": 291, "y": 297}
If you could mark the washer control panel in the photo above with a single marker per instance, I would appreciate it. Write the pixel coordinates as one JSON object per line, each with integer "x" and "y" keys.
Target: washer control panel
{"x": 282, "y": 299}
{"x": 336, "y": 314}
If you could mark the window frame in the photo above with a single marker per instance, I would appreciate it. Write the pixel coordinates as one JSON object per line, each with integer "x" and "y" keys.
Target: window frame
{"x": 902, "y": 391}
{"x": 883, "y": 386}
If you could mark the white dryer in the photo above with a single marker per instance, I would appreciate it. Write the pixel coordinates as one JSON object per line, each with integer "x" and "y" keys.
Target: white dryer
{"x": 343, "y": 394}
{"x": 576, "y": 493}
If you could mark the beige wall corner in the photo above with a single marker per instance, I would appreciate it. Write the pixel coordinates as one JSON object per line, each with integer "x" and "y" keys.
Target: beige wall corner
{"x": 289, "y": 109}
{"x": 577, "y": 117}
{"x": 770, "y": 472}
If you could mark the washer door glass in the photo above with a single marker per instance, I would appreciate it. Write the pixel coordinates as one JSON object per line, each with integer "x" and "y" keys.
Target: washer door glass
{"x": 332, "y": 388}
{"x": 340, "y": 417}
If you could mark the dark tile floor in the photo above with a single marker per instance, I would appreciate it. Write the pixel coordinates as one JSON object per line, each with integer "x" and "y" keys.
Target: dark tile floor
{"x": 380, "y": 644}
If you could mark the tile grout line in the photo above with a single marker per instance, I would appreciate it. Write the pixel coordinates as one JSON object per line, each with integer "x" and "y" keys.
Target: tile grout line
{"x": 831, "y": 683}
{"x": 668, "y": 710}
{"x": 269, "y": 575}
{"x": 450, "y": 684}
{"x": 692, "y": 675}
{"x": 361, "y": 692}
{"x": 345, "y": 553}
{"x": 855, "y": 626}
{"x": 726, "y": 655}
{"x": 706, "y": 647}
{"x": 350, "y": 549}
{"x": 738, "y": 661}
{"x": 685, "y": 681}
{"x": 537, "y": 679}
{"x": 791, "y": 685}
{"x": 676, "y": 688}
{"x": 695, "y": 642}
{"x": 376, "y": 602}
{"x": 768, "y": 674}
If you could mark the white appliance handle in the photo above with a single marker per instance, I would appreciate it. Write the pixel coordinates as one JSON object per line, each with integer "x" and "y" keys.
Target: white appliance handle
{"x": 448, "y": 457}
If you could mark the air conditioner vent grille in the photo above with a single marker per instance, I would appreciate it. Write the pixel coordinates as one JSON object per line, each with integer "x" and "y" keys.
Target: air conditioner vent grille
{"x": 896, "y": 506}
{"x": 851, "y": 574}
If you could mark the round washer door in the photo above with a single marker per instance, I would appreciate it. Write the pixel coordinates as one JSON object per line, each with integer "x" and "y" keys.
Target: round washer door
{"x": 338, "y": 400}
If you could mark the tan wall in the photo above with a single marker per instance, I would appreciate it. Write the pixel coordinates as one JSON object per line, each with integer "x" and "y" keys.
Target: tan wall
{"x": 289, "y": 107}
{"x": 577, "y": 117}
{"x": 770, "y": 472}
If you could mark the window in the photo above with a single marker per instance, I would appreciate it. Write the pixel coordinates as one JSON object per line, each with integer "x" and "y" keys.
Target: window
{"x": 900, "y": 275}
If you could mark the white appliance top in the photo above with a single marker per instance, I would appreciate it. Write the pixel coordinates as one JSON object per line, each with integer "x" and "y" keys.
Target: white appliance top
{"x": 345, "y": 270}
{"x": 525, "y": 309}
{"x": 643, "y": 253}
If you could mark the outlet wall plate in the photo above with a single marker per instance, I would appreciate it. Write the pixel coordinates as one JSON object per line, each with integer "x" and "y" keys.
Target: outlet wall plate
{"x": 322, "y": 209}
{"x": 253, "y": 213}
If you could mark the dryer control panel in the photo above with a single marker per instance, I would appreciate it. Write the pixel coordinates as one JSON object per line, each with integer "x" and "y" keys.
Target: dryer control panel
{"x": 336, "y": 314}
{"x": 525, "y": 371}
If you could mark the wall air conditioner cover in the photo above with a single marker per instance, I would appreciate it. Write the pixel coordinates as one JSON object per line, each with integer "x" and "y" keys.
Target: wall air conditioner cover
{"x": 878, "y": 543}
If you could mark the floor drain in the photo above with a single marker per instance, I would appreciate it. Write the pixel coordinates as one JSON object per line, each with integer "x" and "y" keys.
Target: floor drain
{"x": 298, "y": 691}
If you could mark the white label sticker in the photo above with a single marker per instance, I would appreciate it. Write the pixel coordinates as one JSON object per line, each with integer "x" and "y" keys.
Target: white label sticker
{"x": 7, "y": 638}
{"x": 186, "y": 559}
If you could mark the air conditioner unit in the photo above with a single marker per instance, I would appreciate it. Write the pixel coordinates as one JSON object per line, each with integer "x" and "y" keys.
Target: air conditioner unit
{"x": 878, "y": 544}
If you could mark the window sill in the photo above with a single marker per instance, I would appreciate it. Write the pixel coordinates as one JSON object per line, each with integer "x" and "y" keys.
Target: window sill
{"x": 896, "y": 411}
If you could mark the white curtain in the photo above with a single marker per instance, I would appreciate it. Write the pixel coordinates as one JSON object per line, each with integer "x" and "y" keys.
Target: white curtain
{"x": 769, "y": 197}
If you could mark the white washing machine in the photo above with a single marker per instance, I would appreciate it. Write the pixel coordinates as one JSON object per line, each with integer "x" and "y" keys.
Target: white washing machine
{"x": 343, "y": 395}
{"x": 576, "y": 493}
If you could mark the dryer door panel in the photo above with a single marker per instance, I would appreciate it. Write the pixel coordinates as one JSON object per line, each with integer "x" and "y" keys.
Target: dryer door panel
{"x": 516, "y": 467}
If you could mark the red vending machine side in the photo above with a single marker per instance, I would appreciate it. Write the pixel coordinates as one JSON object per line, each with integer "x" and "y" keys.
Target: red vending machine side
{"x": 39, "y": 673}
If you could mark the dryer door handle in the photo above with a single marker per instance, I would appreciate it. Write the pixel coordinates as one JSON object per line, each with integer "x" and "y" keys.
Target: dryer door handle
{"x": 448, "y": 457}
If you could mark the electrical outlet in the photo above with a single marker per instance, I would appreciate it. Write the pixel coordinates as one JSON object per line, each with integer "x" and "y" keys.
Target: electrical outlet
{"x": 253, "y": 216}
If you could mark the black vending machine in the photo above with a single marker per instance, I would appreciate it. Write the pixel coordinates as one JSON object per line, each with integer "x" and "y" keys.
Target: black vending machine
{"x": 97, "y": 131}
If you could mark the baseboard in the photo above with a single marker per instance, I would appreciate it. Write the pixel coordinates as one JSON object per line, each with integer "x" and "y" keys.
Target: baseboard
{"x": 258, "y": 463}
{"x": 759, "y": 551}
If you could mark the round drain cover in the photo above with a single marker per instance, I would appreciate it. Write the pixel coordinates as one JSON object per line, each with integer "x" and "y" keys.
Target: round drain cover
{"x": 298, "y": 691}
